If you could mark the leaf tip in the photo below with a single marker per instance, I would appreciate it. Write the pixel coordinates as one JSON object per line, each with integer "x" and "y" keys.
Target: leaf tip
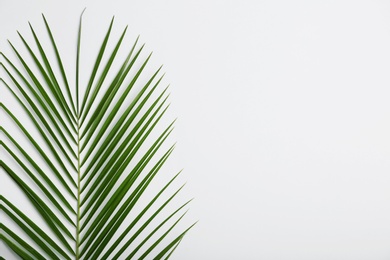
{"x": 20, "y": 35}
{"x": 162, "y": 65}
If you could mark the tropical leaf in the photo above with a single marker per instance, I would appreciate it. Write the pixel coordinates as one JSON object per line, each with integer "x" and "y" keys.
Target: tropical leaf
{"x": 86, "y": 162}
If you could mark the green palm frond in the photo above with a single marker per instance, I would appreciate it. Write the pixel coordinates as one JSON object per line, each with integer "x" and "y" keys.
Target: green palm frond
{"x": 86, "y": 162}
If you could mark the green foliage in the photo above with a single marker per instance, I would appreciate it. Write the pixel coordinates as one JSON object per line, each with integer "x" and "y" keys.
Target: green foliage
{"x": 98, "y": 156}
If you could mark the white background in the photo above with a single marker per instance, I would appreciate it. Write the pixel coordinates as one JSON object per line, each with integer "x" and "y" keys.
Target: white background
{"x": 284, "y": 118}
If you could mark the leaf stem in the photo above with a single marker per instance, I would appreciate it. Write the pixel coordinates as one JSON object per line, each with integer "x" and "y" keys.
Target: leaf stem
{"x": 78, "y": 192}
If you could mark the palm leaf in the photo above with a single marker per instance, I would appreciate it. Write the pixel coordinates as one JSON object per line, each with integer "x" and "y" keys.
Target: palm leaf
{"x": 99, "y": 154}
